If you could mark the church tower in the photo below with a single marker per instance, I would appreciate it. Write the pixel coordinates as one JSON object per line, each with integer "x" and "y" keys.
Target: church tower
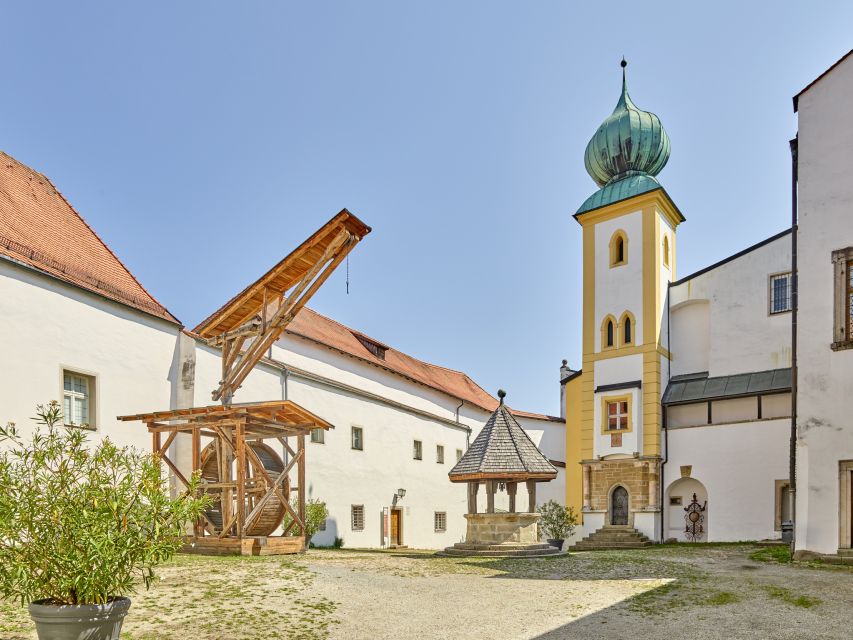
{"x": 613, "y": 405}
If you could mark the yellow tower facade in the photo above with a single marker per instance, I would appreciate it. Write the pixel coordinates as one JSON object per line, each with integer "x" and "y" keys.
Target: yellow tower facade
{"x": 613, "y": 405}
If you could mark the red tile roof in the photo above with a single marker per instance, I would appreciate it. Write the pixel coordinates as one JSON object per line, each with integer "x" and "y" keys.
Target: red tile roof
{"x": 318, "y": 328}
{"x": 39, "y": 228}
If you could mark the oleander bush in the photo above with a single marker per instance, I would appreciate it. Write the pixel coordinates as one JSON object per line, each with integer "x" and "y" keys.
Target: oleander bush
{"x": 557, "y": 522}
{"x": 83, "y": 522}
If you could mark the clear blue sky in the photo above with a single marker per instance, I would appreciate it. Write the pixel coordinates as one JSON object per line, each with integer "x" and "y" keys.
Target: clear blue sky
{"x": 204, "y": 140}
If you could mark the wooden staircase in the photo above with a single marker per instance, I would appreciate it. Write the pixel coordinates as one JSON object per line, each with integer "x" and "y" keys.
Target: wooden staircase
{"x": 613, "y": 536}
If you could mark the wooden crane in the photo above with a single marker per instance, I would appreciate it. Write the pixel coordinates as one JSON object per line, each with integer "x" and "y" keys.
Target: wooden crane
{"x": 249, "y": 482}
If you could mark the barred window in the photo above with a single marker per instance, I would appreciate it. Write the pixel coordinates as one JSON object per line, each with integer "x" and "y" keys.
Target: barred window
{"x": 780, "y": 293}
{"x": 439, "y": 453}
{"x": 322, "y": 526}
{"x": 842, "y": 337}
{"x": 357, "y": 517}
{"x": 440, "y": 521}
{"x": 417, "y": 450}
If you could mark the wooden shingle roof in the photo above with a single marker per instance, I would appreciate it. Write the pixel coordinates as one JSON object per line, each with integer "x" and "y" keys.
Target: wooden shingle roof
{"x": 502, "y": 451}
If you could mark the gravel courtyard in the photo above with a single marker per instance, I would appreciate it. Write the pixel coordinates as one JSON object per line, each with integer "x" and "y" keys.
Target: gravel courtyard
{"x": 672, "y": 591}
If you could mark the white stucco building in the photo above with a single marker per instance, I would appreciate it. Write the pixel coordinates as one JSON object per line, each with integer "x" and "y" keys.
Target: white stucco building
{"x": 824, "y": 352}
{"x": 79, "y": 328}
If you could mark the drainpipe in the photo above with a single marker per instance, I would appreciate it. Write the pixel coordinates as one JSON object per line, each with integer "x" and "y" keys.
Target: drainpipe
{"x": 663, "y": 418}
{"x": 468, "y": 432}
{"x": 792, "y": 457}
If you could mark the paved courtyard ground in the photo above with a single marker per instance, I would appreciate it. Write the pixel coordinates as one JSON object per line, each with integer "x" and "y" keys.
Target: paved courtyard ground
{"x": 695, "y": 592}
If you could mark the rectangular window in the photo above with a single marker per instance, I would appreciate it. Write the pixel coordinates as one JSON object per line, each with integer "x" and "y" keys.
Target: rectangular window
{"x": 322, "y": 526}
{"x": 417, "y": 450}
{"x": 458, "y": 455}
{"x": 842, "y": 336}
{"x": 675, "y": 501}
{"x": 77, "y": 405}
{"x": 358, "y": 438}
{"x": 440, "y": 521}
{"x": 358, "y": 517}
{"x": 617, "y": 415}
{"x": 439, "y": 453}
{"x": 318, "y": 435}
{"x": 780, "y": 293}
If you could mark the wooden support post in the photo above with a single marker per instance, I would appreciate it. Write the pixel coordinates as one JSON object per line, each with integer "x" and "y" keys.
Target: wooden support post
{"x": 300, "y": 470}
{"x": 155, "y": 442}
{"x": 511, "y": 488}
{"x": 490, "y": 496}
{"x": 473, "y": 487}
{"x": 198, "y": 527}
{"x": 239, "y": 446}
{"x": 531, "y": 496}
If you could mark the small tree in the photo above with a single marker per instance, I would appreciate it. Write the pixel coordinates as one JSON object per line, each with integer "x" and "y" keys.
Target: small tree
{"x": 557, "y": 521}
{"x": 316, "y": 513}
{"x": 80, "y": 524}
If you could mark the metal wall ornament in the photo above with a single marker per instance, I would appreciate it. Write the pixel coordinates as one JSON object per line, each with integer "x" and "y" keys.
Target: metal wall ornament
{"x": 694, "y": 530}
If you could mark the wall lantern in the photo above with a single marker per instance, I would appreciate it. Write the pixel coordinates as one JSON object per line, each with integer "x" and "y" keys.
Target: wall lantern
{"x": 401, "y": 493}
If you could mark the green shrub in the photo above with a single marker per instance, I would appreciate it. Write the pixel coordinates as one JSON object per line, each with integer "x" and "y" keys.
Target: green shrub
{"x": 557, "y": 522}
{"x": 316, "y": 513}
{"x": 79, "y": 524}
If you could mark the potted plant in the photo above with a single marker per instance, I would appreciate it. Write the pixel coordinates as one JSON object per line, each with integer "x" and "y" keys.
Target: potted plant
{"x": 80, "y": 525}
{"x": 557, "y": 522}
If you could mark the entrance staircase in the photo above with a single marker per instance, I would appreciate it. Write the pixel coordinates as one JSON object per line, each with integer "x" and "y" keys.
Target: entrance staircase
{"x": 612, "y": 536}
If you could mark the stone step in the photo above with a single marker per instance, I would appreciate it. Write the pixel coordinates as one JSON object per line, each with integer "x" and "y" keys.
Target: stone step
{"x": 838, "y": 559}
{"x": 506, "y": 553}
{"x": 845, "y": 552}
{"x": 616, "y": 536}
{"x": 464, "y": 546}
{"x": 613, "y": 537}
{"x": 596, "y": 546}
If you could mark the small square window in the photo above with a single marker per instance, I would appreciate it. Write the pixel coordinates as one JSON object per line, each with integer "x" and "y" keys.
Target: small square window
{"x": 440, "y": 521}
{"x": 417, "y": 450}
{"x": 78, "y": 408}
{"x": 357, "y": 517}
{"x": 318, "y": 436}
{"x": 780, "y": 293}
{"x": 439, "y": 453}
{"x": 358, "y": 438}
{"x": 458, "y": 455}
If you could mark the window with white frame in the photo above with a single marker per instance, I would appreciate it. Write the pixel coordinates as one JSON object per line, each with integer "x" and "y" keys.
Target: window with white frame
{"x": 358, "y": 438}
{"x": 617, "y": 415}
{"x": 318, "y": 436}
{"x": 439, "y": 453}
{"x": 77, "y": 394}
{"x": 417, "y": 450}
{"x": 780, "y": 293}
{"x": 357, "y": 517}
{"x": 440, "y": 521}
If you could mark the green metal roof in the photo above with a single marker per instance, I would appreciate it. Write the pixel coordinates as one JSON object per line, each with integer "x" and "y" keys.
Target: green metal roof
{"x": 626, "y": 153}
{"x": 701, "y": 388}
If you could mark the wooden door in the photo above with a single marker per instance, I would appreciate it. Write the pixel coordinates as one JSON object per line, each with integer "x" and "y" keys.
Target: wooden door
{"x": 395, "y": 526}
{"x": 619, "y": 506}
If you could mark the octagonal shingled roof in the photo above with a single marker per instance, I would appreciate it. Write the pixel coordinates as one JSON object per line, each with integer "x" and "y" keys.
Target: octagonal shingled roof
{"x": 502, "y": 451}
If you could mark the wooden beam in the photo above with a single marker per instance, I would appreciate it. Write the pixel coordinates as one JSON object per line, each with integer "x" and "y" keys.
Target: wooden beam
{"x": 239, "y": 446}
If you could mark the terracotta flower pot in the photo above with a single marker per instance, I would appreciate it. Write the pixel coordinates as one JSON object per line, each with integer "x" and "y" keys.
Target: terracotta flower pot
{"x": 78, "y": 621}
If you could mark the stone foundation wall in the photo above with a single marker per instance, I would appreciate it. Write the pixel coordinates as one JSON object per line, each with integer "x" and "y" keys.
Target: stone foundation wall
{"x": 498, "y": 528}
{"x": 637, "y": 476}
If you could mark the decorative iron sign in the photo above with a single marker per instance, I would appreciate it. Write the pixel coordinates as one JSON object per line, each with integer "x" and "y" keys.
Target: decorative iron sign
{"x": 695, "y": 519}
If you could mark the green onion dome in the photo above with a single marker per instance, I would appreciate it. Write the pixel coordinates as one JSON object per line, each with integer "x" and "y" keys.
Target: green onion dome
{"x": 629, "y": 140}
{"x": 630, "y": 143}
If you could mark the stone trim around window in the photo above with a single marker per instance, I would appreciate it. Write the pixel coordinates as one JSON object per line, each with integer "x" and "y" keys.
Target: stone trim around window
{"x": 842, "y": 332}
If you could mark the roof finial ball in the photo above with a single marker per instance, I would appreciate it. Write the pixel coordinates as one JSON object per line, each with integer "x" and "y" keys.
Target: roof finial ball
{"x": 624, "y": 62}
{"x": 501, "y": 395}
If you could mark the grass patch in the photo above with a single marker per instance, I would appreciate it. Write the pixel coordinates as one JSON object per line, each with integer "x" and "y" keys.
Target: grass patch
{"x": 721, "y": 598}
{"x": 786, "y": 595}
{"x": 780, "y": 554}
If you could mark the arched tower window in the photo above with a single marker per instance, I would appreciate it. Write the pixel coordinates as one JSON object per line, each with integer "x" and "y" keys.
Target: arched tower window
{"x": 627, "y": 326}
{"x": 618, "y": 249}
{"x": 608, "y": 332}
{"x": 666, "y": 251}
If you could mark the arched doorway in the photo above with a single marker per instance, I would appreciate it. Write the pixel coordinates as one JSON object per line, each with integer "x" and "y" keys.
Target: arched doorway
{"x": 687, "y": 521}
{"x": 619, "y": 506}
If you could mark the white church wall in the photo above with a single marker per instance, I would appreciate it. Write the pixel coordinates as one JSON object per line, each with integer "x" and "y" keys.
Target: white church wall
{"x": 743, "y": 336}
{"x": 616, "y": 288}
{"x": 129, "y": 355}
{"x": 738, "y": 464}
{"x": 690, "y": 336}
{"x": 825, "y": 401}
